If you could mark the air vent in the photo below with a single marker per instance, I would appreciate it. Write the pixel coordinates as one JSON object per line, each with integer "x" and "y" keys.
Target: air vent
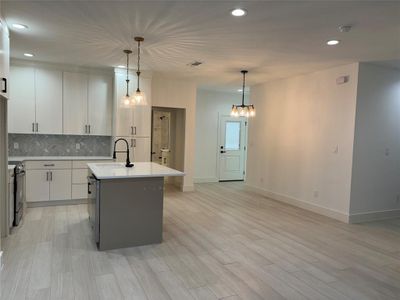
{"x": 195, "y": 63}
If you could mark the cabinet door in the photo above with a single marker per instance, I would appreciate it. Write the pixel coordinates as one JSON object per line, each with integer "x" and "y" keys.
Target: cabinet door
{"x": 142, "y": 114}
{"x": 141, "y": 152}
{"x": 48, "y": 101}
{"x": 60, "y": 184}
{"x": 100, "y": 104}
{"x": 124, "y": 115}
{"x": 37, "y": 185}
{"x": 21, "y": 108}
{"x": 4, "y": 59}
{"x": 75, "y": 103}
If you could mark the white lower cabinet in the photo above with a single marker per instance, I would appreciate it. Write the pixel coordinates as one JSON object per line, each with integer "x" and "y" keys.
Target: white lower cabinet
{"x": 60, "y": 184}
{"x": 48, "y": 181}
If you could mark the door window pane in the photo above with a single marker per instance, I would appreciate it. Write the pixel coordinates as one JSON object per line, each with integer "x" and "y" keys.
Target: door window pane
{"x": 232, "y": 135}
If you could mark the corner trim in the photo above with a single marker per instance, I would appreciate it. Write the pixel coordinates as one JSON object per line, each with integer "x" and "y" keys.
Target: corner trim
{"x": 205, "y": 179}
{"x": 374, "y": 216}
{"x": 328, "y": 212}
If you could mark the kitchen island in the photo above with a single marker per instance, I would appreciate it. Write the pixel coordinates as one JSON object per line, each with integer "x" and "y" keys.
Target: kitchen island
{"x": 126, "y": 204}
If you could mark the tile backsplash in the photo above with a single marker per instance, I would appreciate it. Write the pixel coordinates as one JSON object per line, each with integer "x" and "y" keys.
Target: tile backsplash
{"x": 58, "y": 145}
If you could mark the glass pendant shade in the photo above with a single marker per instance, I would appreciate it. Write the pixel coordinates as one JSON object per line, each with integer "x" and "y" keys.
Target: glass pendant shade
{"x": 139, "y": 98}
{"x": 126, "y": 100}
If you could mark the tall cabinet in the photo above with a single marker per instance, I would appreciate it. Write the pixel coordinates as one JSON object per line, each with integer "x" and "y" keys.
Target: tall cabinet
{"x": 133, "y": 123}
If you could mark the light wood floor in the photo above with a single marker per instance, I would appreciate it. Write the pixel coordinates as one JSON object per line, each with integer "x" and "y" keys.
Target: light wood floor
{"x": 220, "y": 242}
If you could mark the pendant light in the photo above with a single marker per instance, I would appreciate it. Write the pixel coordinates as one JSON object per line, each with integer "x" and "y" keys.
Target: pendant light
{"x": 126, "y": 100}
{"x": 242, "y": 110}
{"x": 139, "y": 96}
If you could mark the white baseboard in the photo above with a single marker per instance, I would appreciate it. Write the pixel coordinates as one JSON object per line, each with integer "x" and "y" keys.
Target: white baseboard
{"x": 205, "y": 180}
{"x": 328, "y": 212}
{"x": 374, "y": 216}
{"x": 56, "y": 202}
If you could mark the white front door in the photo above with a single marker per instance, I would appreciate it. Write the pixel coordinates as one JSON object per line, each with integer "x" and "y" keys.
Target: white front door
{"x": 232, "y": 147}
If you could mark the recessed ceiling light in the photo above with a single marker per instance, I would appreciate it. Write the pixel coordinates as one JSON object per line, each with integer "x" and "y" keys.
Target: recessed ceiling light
{"x": 238, "y": 12}
{"x": 28, "y": 55}
{"x": 19, "y": 26}
{"x": 332, "y": 42}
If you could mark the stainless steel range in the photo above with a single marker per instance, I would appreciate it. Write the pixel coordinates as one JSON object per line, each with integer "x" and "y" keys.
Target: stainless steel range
{"x": 19, "y": 191}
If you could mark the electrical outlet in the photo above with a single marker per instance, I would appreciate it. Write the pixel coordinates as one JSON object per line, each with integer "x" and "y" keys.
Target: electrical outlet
{"x": 16, "y": 146}
{"x": 77, "y": 146}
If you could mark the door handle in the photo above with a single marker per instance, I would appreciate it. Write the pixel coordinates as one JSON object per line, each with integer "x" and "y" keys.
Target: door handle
{"x": 4, "y": 90}
{"x": 222, "y": 151}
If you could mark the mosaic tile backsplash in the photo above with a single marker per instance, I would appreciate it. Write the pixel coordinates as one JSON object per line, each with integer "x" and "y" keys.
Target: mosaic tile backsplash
{"x": 58, "y": 145}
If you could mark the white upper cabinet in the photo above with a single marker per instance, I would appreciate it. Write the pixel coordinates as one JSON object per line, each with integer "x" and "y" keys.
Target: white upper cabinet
{"x": 4, "y": 59}
{"x": 75, "y": 103}
{"x": 132, "y": 121}
{"x": 49, "y": 110}
{"x": 21, "y": 110}
{"x": 100, "y": 105}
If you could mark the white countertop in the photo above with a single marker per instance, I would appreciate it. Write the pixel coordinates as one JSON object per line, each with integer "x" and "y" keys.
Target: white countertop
{"x": 140, "y": 169}
{"x": 25, "y": 158}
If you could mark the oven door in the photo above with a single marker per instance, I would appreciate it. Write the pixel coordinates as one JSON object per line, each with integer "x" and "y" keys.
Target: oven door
{"x": 19, "y": 196}
{"x": 93, "y": 205}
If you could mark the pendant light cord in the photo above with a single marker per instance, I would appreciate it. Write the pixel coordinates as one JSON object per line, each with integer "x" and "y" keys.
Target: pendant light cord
{"x": 138, "y": 67}
{"x": 244, "y": 84}
{"x": 127, "y": 74}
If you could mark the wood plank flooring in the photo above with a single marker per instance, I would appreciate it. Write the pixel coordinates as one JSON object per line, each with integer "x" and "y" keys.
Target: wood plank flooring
{"x": 220, "y": 242}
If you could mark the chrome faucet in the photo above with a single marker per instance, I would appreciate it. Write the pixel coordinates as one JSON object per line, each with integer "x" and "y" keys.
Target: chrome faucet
{"x": 128, "y": 163}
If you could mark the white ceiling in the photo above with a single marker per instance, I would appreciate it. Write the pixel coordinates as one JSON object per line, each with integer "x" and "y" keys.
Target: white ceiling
{"x": 276, "y": 39}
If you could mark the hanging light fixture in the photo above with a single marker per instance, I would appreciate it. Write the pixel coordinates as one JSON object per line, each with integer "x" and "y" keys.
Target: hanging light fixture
{"x": 139, "y": 96}
{"x": 126, "y": 100}
{"x": 242, "y": 110}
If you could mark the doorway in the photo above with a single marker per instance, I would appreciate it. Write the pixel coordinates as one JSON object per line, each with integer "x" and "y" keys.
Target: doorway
{"x": 232, "y": 142}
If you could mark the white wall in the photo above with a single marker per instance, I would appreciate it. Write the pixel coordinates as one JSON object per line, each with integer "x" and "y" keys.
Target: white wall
{"x": 376, "y": 161}
{"x": 301, "y": 141}
{"x": 178, "y": 93}
{"x": 208, "y": 105}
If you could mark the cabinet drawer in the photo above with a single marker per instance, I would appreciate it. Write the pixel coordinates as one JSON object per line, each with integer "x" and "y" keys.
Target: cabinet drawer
{"x": 48, "y": 164}
{"x": 79, "y": 176}
{"x": 79, "y": 191}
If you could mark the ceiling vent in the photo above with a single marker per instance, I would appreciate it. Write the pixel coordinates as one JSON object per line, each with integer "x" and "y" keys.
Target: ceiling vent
{"x": 195, "y": 63}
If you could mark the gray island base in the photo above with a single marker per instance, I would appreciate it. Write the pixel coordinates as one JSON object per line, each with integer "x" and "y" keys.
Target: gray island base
{"x": 127, "y": 211}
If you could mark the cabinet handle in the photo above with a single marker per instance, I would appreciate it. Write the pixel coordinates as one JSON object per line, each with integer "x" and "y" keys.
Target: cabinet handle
{"x": 37, "y": 127}
{"x": 134, "y": 142}
{"x": 51, "y": 176}
{"x": 47, "y": 176}
{"x": 33, "y": 127}
{"x": 131, "y": 143}
{"x": 85, "y": 128}
{"x": 48, "y": 165}
{"x": 134, "y": 130}
{"x": 88, "y": 188}
{"x": 89, "y": 128}
{"x": 4, "y": 90}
